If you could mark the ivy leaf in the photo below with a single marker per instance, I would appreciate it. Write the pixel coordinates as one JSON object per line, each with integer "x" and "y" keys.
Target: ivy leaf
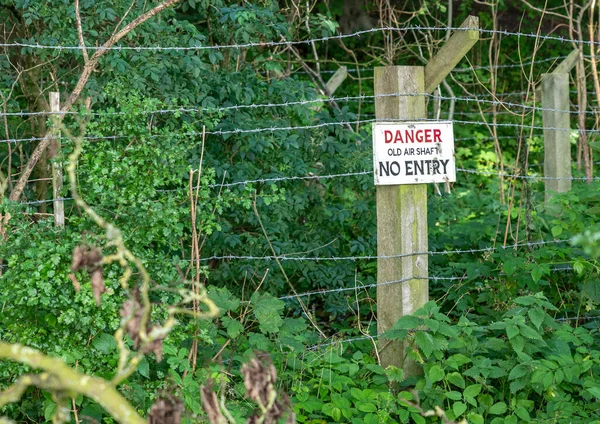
{"x": 267, "y": 310}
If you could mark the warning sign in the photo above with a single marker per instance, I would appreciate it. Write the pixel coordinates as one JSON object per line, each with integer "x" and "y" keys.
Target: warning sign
{"x": 413, "y": 153}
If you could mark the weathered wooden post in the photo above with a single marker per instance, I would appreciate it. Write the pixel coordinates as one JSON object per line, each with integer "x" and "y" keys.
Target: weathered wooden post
{"x": 554, "y": 92}
{"x": 402, "y": 209}
{"x": 57, "y": 170}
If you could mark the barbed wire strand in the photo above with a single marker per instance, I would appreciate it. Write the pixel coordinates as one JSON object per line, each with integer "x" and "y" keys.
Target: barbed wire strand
{"x": 263, "y": 44}
{"x": 364, "y": 98}
{"x": 372, "y": 257}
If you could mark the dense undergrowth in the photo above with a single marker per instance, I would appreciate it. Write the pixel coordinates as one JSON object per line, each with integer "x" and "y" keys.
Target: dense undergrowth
{"x": 511, "y": 333}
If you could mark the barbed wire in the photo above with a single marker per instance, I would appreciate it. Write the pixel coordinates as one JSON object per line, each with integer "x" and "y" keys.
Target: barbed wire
{"x": 263, "y": 44}
{"x": 525, "y": 177}
{"x": 362, "y": 98}
{"x": 372, "y": 257}
{"x": 337, "y": 341}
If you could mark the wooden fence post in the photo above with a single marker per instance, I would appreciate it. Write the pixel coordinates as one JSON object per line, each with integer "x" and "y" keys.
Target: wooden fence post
{"x": 554, "y": 91}
{"x": 401, "y": 219}
{"x": 402, "y": 273}
{"x": 57, "y": 169}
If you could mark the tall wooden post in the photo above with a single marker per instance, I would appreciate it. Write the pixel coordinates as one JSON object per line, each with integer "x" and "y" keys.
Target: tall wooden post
{"x": 402, "y": 209}
{"x": 554, "y": 91}
{"x": 557, "y": 137}
{"x": 57, "y": 170}
{"x": 401, "y": 217}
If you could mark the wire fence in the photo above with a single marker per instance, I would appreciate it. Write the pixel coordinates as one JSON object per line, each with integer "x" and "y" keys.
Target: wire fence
{"x": 518, "y": 109}
{"x": 287, "y": 43}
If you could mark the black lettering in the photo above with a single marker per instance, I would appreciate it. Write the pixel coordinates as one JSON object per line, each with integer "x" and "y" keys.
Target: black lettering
{"x": 418, "y": 167}
{"x": 444, "y": 163}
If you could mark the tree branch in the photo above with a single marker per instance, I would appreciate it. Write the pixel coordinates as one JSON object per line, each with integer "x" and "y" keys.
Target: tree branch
{"x": 86, "y": 58}
{"x": 59, "y": 376}
{"x": 89, "y": 67}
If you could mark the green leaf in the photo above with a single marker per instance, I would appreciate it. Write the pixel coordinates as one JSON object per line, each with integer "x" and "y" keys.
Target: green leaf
{"x": 474, "y": 418}
{"x": 336, "y": 414}
{"x": 595, "y": 391}
{"x": 518, "y": 371}
{"x": 518, "y": 343}
{"x": 458, "y": 408}
{"x": 456, "y": 379}
{"x": 366, "y": 407}
{"x": 498, "y": 408}
{"x": 512, "y": 330}
{"x": 457, "y": 360}
{"x": 267, "y": 310}
{"x": 509, "y": 267}
{"x": 395, "y": 374}
{"x": 436, "y": 373}
{"x": 536, "y": 316}
{"x": 537, "y": 272}
{"x": 234, "y": 327}
{"x": 425, "y": 342}
{"x": 530, "y": 333}
{"x": 223, "y": 298}
{"x": 522, "y": 413}
{"x": 557, "y": 230}
{"x": 453, "y": 395}
{"x": 104, "y": 343}
{"x": 144, "y": 368}
{"x": 472, "y": 390}
{"x": 407, "y": 322}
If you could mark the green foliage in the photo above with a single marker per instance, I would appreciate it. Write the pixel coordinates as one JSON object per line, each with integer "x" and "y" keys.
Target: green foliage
{"x": 525, "y": 367}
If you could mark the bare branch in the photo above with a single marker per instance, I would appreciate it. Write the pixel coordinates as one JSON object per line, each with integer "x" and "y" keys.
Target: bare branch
{"x": 86, "y": 58}
{"x": 89, "y": 67}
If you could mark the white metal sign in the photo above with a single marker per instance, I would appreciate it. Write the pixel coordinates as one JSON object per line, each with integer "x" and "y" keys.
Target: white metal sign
{"x": 413, "y": 153}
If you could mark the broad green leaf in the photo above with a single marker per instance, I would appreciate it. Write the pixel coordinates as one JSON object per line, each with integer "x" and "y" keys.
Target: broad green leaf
{"x": 458, "y": 408}
{"x": 424, "y": 341}
{"x": 498, "y": 408}
{"x": 267, "y": 310}
{"x": 436, "y": 373}
{"x": 530, "y": 333}
{"x": 223, "y": 298}
{"x": 472, "y": 390}
{"x": 474, "y": 418}
{"x": 512, "y": 330}
{"x": 456, "y": 379}
{"x": 407, "y": 322}
{"x": 104, "y": 343}
{"x": 457, "y": 360}
{"x": 233, "y": 326}
{"x": 522, "y": 413}
{"x": 536, "y": 316}
{"x": 453, "y": 395}
{"x": 518, "y": 371}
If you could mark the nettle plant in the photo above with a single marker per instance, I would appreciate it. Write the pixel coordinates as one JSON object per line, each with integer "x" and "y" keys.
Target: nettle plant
{"x": 526, "y": 367}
